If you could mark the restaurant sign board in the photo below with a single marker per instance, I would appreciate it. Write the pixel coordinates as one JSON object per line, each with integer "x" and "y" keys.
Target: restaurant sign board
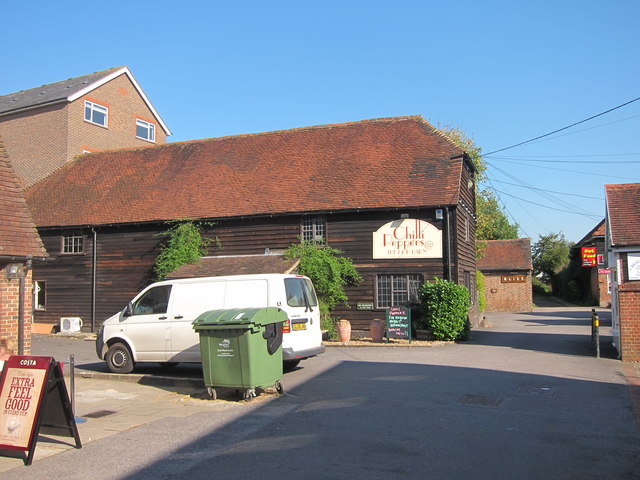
{"x": 407, "y": 238}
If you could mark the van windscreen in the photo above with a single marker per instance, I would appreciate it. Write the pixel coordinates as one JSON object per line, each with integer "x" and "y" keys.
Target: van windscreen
{"x": 300, "y": 292}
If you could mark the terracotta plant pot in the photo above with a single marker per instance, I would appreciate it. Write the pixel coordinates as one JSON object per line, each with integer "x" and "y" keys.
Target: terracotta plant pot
{"x": 376, "y": 328}
{"x": 344, "y": 330}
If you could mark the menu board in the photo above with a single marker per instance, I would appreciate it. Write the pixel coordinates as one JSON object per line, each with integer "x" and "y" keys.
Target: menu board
{"x": 33, "y": 399}
{"x": 399, "y": 322}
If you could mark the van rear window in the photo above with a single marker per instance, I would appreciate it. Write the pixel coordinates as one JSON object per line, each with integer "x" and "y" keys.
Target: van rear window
{"x": 300, "y": 292}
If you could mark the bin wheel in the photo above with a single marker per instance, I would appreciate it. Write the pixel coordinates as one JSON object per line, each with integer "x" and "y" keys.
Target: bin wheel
{"x": 279, "y": 388}
{"x": 212, "y": 393}
{"x": 248, "y": 394}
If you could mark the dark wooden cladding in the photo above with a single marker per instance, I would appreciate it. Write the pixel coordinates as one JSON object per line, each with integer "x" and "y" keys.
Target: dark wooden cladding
{"x": 126, "y": 254}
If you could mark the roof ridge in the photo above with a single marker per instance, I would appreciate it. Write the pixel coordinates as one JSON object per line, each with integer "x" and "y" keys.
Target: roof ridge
{"x": 101, "y": 73}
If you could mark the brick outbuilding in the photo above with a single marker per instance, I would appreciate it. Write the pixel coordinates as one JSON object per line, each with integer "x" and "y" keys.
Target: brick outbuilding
{"x": 507, "y": 268}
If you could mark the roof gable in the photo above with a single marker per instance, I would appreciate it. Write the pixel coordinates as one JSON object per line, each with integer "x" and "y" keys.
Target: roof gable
{"x": 595, "y": 232}
{"x": 68, "y": 91}
{"x": 399, "y": 162}
{"x": 18, "y": 234}
{"x": 506, "y": 255}
{"x": 623, "y": 213}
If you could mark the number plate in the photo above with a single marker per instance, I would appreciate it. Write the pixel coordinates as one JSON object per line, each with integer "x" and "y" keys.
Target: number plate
{"x": 299, "y": 326}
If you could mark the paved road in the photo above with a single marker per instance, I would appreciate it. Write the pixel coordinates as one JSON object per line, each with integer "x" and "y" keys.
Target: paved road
{"x": 524, "y": 398}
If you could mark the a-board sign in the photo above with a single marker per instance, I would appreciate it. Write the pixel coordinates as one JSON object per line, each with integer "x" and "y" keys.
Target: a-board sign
{"x": 33, "y": 399}
{"x": 399, "y": 322}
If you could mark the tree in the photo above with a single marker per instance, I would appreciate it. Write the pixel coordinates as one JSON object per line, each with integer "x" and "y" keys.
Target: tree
{"x": 550, "y": 254}
{"x": 493, "y": 223}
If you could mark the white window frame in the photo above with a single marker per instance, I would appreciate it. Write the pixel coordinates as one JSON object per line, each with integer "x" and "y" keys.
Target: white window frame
{"x": 150, "y": 128}
{"x": 390, "y": 298}
{"x": 91, "y": 107}
{"x": 314, "y": 229}
{"x": 72, "y": 244}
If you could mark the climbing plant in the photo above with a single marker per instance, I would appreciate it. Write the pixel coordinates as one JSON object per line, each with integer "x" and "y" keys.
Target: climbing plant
{"x": 184, "y": 244}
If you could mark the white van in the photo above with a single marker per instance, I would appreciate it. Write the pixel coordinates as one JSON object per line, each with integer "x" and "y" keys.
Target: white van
{"x": 156, "y": 326}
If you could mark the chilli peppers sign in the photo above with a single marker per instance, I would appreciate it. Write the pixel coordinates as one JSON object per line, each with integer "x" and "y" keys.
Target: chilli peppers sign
{"x": 407, "y": 238}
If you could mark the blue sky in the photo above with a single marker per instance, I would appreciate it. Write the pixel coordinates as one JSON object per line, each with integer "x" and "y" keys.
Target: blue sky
{"x": 502, "y": 71}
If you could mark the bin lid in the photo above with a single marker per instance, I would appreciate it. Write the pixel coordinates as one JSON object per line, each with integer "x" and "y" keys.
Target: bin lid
{"x": 240, "y": 316}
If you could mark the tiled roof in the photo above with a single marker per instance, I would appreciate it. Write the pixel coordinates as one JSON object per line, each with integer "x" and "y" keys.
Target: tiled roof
{"x": 399, "y": 162}
{"x": 18, "y": 235}
{"x": 51, "y": 93}
{"x": 623, "y": 210}
{"x": 506, "y": 255}
{"x": 67, "y": 91}
{"x": 597, "y": 231}
{"x": 235, "y": 265}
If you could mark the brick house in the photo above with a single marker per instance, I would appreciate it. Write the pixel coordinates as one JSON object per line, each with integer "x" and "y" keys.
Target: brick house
{"x": 20, "y": 246}
{"x": 622, "y": 242}
{"x": 394, "y": 194}
{"x": 507, "y": 268}
{"x": 594, "y": 279}
{"x": 46, "y": 127}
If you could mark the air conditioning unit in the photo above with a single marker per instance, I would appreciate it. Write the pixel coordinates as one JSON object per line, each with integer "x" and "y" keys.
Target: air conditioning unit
{"x": 70, "y": 324}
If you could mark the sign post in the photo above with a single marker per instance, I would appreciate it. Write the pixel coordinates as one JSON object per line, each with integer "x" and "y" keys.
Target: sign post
{"x": 33, "y": 399}
{"x": 399, "y": 322}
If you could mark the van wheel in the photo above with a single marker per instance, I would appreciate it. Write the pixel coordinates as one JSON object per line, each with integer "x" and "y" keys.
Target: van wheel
{"x": 289, "y": 365}
{"x": 119, "y": 358}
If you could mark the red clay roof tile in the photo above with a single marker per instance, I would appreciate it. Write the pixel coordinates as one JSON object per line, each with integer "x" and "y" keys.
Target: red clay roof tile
{"x": 18, "y": 234}
{"x": 382, "y": 163}
{"x": 623, "y": 209}
{"x": 506, "y": 255}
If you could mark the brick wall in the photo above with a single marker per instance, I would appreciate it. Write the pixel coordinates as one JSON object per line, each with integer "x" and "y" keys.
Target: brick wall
{"x": 629, "y": 312}
{"x": 40, "y": 141}
{"x": 125, "y": 105}
{"x": 10, "y": 308}
{"x": 508, "y": 297}
{"x": 36, "y": 141}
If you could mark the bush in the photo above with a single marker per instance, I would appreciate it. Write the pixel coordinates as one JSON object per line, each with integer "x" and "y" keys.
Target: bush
{"x": 446, "y": 309}
{"x": 540, "y": 287}
{"x": 481, "y": 288}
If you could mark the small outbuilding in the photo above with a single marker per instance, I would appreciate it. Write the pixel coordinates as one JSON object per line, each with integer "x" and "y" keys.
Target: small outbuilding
{"x": 507, "y": 268}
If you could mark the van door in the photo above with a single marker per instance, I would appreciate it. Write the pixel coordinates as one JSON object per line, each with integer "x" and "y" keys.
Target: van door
{"x": 189, "y": 301}
{"x": 303, "y": 331}
{"x": 148, "y": 327}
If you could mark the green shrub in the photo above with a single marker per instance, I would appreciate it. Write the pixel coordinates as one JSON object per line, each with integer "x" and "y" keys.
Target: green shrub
{"x": 481, "y": 288}
{"x": 540, "y": 287}
{"x": 446, "y": 309}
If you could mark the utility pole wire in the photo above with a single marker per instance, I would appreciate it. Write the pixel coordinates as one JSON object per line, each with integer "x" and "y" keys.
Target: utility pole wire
{"x": 563, "y": 128}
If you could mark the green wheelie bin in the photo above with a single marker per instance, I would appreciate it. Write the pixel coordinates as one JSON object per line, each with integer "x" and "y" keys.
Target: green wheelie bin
{"x": 241, "y": 348}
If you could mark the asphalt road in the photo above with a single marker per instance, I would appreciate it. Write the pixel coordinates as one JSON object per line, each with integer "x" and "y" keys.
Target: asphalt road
{"x": 523, "y": 399}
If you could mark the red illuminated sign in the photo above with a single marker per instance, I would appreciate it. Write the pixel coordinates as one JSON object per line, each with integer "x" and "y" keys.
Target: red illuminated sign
{"x": 589, "y": 257}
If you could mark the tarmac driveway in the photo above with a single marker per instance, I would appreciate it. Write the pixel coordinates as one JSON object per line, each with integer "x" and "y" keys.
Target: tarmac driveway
{"x": 525, "y": 398}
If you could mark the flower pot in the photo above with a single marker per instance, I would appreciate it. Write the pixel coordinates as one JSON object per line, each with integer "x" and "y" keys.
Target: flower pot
{"x": 376, "y": 329}
{"x": 344, "y": 330}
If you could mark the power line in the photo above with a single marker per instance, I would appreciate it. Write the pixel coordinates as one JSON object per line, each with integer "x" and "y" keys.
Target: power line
{"x": 548, "y": 191}
{"x": 546, "y": 206}
{"x": 570, "y": 171}
{"x": 564, "y": 128}
{"x": 531, "y": 159}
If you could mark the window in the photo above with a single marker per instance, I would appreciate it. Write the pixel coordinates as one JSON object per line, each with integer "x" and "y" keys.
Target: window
{"x": 72, "y": 243}
{"x": 314, "y": 229}
{"x": 145, "y": 130}
{"x": 300, "y": 292}
{"x": 154, "y": 301}
{"x": 39, "y": 295}
{"x": 95, "y": 113}
{"x": 395, "y": 290}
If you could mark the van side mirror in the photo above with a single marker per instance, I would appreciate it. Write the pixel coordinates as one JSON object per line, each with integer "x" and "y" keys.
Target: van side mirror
{"x": 128, "y": 311}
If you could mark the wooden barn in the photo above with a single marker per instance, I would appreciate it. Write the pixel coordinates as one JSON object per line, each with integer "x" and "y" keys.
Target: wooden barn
{"x": 396, "y": 195}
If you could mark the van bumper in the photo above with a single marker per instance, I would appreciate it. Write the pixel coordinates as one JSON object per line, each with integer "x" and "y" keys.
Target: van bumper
{"x": 100, "y": 350}
{"x": 290, "y": 354}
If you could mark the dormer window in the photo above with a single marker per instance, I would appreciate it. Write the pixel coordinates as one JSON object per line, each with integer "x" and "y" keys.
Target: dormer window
{"x": 145, "y": 130}
{"x": 96, "y": 114}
